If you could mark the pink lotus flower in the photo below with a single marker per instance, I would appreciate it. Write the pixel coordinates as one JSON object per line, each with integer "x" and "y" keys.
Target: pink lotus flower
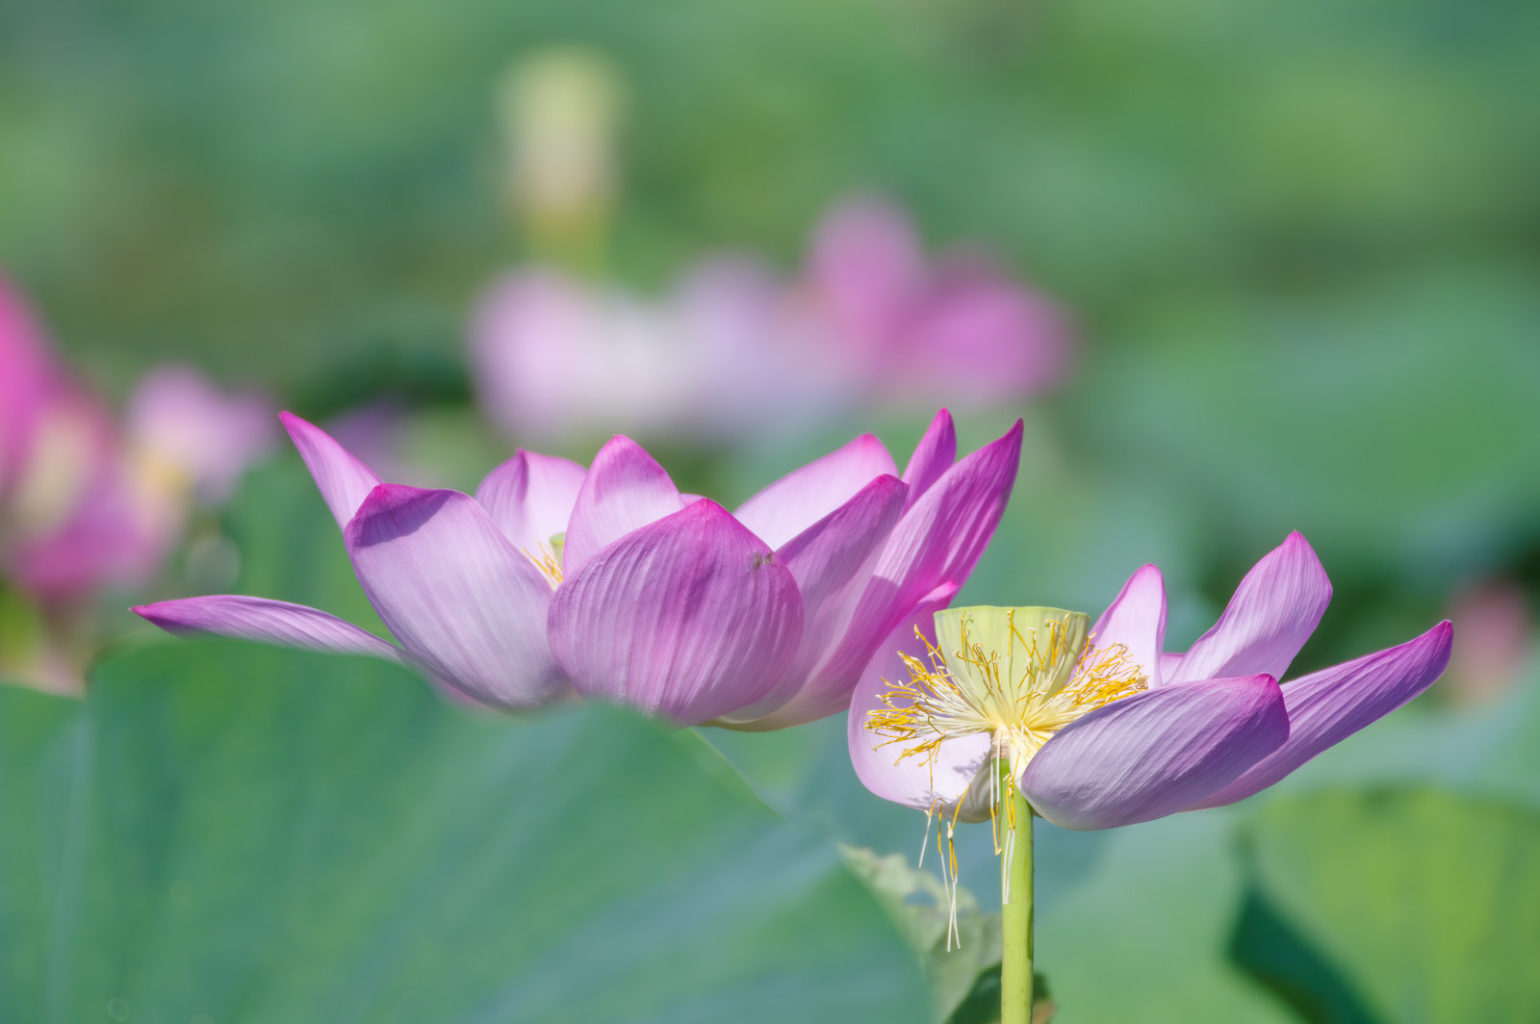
{"x": 958, "y": 331}
{"x": 611, "y": 582}
{"x": 1119, "y": 731}
{"x": 84, "y": 505}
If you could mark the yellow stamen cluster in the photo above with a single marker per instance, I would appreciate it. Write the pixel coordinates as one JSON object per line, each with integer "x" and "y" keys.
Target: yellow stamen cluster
{"x": 547, "y": 561}
{"x": 1043, "y": 679}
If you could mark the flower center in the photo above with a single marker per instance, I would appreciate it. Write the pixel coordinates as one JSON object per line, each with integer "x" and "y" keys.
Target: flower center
{"x": 1018, "y": 675}
{"x": 547, "y": 558}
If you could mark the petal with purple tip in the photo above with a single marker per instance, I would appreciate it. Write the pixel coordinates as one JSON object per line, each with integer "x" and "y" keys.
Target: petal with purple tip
{"x": 689, "y": 617}
{"x": 831, "y": 562}
{"x": 268, "y": 622}
{"x": 343, "y": 480}
{"x": 802, "y": 497}
{"x": 909, "y": 781}
{"x": 932, "y": 457}
{"x": 1136, "y": 619}
{"x": 1274, "y": 611}
{"x": 938, "y": 540}
{"x": 625, "y": 489}
{"x": 462, "y": 600}
{"x": 1328, "y": 706}
{"x": 1155, "y": 753}
{"x": 530, "y": 497}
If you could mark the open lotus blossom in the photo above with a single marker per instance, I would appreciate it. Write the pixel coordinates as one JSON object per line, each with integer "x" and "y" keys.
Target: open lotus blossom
{"x": 1100, "y": 727}
{"x": 85, "y": 503}
{"x": 612, "y": 583}
{"x": 1004, "y": 713}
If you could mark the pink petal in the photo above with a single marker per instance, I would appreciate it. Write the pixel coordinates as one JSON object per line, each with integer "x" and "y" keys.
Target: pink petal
{"x": 831, "y": 562}
{"x": 1274, "y": 611}
{"x": 979, "y": 336}
{"x": 28, "y": 379}
{"x": 932, "y": 457}
{"x": 1136, "y": 619}
{"x": 268, "y": 622}
{"x": 689, "y": 617}
{"x": 866, "y": 264}
{"x": 625, "y": 489}
{"x": 530, "y": 497}
{"x": 93, "y": 528}
{"x": 1155, "y": 753}
{"x": 937, "y": 541}
{"x": 910, "y": 781}
{"x": 802, "y": 497}
{"x": 462, "y": 600}
{"x": 1328, "y": 706}
{"x": 533, "y": 335}
{"x": 342, "y": 479}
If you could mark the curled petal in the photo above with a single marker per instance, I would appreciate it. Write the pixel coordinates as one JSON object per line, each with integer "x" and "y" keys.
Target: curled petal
{"x": 831, "y": 562}
{"x": 933, "y": 456}
{"x": 625, "y": 489}
{"x": 689, "y": 617}
{"x": 1155, "y": 753}
{"x": 1274, "y": 611}
{"x": 1328, "y": 706}
{"x": 911, "y": 781}
{"x": 802, "y": 497}
{"x": 343, "y": 480}
{"x": 1136, "y": 619}
{"x": 530, "y": 497}
{"x": 269, "y": 622}
{"x": 461, "y": 599}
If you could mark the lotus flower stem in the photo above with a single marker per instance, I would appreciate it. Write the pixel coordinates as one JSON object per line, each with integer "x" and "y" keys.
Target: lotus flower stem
{"x": 1016, "y": 906}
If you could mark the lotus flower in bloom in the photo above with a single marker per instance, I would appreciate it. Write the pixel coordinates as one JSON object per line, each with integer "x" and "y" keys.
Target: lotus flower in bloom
{"x": 1103, "y": 728}
{"x": 611, "y": 582}
{"x": 84, "y": 504}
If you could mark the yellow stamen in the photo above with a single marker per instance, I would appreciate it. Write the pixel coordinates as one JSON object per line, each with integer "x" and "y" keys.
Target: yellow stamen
{"x": 1045, "y": 677}
{"x": 547, "y": 561}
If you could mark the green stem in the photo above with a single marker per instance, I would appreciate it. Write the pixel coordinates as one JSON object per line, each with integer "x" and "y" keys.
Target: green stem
{"x": 1016, "y": 880}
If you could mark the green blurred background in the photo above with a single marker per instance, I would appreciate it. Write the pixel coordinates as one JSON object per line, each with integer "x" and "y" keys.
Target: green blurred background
{"x": 1298, "y": 241}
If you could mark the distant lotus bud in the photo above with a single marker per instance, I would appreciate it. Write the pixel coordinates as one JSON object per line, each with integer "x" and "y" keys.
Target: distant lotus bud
{"x": 559, "y": 110}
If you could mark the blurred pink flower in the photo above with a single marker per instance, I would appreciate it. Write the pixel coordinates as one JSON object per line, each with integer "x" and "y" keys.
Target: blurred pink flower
{"x": 610, "y": 582}
{"x": 84, "y": 505}
{"x": 958, "y": 331}
{"x": 721, "y": 352}
{"x": 178, "y": 416}
{"x": 733, "y": 349}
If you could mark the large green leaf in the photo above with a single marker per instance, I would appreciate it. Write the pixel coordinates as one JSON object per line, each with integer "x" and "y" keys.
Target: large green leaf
{"x": 231, "y": 833}
{"x": 1143, "y": 937}
{"x": 1397, "y": 905}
